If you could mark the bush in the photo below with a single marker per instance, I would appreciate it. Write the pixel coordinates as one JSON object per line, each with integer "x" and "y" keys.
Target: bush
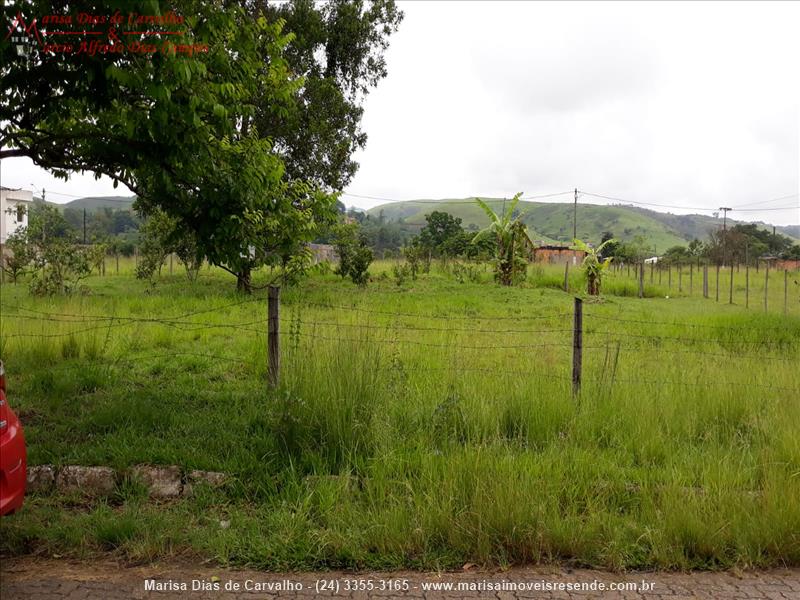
{"x": 354, "y": 254}
{"x": 401, "y": 273}
{"x": 18, "y": 260}
{"x": 360, "y": 261}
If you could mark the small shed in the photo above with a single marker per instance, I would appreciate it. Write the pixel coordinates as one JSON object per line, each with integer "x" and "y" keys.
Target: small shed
{"x": 553, "y": 254}
{"x": 323, "y": 253}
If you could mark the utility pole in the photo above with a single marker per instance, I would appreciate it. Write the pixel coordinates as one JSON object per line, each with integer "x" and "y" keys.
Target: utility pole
{"x": 724, "y": 210}
{"x": 44, "y": 220}
{"x": 575, "y": 217}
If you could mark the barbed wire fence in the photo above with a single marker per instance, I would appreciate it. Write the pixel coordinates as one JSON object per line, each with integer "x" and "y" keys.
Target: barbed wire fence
{"x": 583, "y": 335}
{"x": 680, "y": 277}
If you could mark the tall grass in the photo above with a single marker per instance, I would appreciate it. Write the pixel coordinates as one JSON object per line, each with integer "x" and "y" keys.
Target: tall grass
{"x": 397, "y": 440}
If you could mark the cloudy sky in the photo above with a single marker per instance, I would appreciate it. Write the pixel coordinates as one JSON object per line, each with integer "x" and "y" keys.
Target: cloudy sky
{"x": 684, "y": 105}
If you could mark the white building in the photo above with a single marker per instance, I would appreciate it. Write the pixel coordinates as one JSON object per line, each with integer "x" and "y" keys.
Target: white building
{"x": 14, "y": 207}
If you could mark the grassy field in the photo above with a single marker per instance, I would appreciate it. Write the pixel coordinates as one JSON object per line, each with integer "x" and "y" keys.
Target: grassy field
{"x": 422, "y": 425}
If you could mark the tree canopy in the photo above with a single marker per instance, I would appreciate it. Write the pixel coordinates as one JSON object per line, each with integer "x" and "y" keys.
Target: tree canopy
{"x": 214, "y": 138}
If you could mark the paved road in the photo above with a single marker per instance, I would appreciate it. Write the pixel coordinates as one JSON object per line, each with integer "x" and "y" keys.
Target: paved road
{"x": 32, "y": 579}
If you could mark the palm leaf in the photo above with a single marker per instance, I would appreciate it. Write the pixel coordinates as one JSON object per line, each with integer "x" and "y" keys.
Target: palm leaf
{"x": 512, "y": 206}
{"x": 482, "y": 235}
{"x": 488, "y": 210}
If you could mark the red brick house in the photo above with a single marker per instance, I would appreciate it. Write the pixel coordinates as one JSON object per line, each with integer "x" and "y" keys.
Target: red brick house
{"x": 786, "y": 264}
{"x": 557, "y": 255}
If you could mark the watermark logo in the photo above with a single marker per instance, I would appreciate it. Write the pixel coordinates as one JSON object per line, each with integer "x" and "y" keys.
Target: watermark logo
{"x": 22, "y": 34}
{"x": 91, "y": 34}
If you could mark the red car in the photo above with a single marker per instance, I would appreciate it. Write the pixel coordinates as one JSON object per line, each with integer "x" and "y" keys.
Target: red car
{"x": 13, "y": 467}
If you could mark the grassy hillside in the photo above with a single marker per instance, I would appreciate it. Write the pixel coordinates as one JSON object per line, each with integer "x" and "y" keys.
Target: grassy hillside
{"x": 546, "y": 221}
{"x": 553, "y": 221}
{"x": 698, "y": 226}
{"x": 93, "y": 203}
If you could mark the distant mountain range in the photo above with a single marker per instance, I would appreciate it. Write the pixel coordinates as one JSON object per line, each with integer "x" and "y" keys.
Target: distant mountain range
{"x": 552, "y": 222}
{"x": 93, "y": 203}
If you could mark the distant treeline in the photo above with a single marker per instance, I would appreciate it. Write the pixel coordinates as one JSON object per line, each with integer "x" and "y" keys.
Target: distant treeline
{"x": 118, "y": 228}
{"x": 443, "y": 234}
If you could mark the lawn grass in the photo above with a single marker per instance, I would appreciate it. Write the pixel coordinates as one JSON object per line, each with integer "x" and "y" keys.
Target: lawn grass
{"x": 423, "y": 425}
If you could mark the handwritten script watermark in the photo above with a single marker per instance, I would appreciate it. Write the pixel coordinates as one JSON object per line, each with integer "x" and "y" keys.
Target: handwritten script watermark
{"x": 113, "y": 34}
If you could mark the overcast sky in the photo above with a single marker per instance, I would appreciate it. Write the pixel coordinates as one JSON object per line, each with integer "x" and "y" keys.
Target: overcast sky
{"x": 685, "y": 104}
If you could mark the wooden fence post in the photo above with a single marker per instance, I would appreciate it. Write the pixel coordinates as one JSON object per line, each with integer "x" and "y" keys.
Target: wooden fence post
{"x": 577, "y": 347}
{"x": 785, "y": 291}
{"x": 717, "y": 283}
{"x": 170, "y": 263}
{"x": 641, "y": 280}
{"x": 730, "y": 293}
{"x": 746, "y": 285}
{"x": 652, "y": 266}
{"x": 705, "y": 281}
{"x": 691, "y": 277}
{"x": 566, "y": 276}
{"x": 660, "y": 270}
{"x": 680, "y": 277}
{"x": 669, "y": 277}
{"x": 766, "y": 286}
{"x": 273, "y": 334}
{"x": 116, "y": 258}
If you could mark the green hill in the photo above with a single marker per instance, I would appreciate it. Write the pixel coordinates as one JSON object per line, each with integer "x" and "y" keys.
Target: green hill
{"x": 93, "y": 203}
{"x": 549, "y": 222}
{"x": 552, "y": 222}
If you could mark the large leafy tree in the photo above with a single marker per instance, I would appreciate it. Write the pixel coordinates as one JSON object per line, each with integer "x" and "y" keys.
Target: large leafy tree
{"x": 443, "y": 233}
{"x": 206, "y": 136}
{"x": 338, "y": 49}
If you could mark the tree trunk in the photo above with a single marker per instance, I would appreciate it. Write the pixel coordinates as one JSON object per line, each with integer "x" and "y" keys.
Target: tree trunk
{"x": 243, "y": 282}
{"x": 594, "y": 288}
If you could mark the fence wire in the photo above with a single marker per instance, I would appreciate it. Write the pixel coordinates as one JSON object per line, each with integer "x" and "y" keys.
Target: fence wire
{"x": 294, "y": 326}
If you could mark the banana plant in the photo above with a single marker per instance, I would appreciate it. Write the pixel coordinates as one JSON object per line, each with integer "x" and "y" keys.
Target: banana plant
{"x": 594, "y": 266}
{"x": 510, "y": 235}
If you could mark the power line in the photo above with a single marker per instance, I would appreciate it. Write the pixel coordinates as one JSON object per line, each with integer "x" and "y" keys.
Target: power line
{"x": 766, "y": 201}
{"x": 623, "y": 200}
{"x": 445, "y": 201}
{"x": 700, "y": 208}
{"x": 765, "y": 209}
{"x": 104, "y": 198}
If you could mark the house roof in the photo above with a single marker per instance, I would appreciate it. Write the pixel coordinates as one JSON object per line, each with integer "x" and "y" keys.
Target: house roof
{"x": 22, "y": 198}
{"x": 552, "y": 247}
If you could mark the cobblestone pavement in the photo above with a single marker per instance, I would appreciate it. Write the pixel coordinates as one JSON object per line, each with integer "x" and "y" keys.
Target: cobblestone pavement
{"x": 62, "y": 580}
